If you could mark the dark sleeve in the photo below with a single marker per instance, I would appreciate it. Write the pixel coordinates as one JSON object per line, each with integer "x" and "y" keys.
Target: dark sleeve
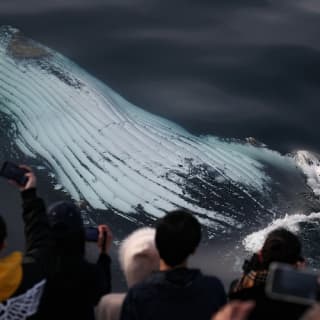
{"x": 36, "y": 228}
{"x": 129, "y": 310}
{"x": 103, "y": 277}
{"x": 223, "y": 295}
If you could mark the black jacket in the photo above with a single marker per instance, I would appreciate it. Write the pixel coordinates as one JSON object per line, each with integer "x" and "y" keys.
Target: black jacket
{"x": 266, "y": 308}
{"x": 23, "y": 277}
{"x": 73, "y": 292}
{"x": 177, "y": 294}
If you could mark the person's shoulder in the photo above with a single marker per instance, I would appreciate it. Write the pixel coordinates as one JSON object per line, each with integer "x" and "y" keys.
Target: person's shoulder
{"x": 210, "y": 280}
{"x": 144, "y": 285}
{"x": 210, "y": 284}
{"x": 145, "y": 288}
{"x": 86, "y": 266}
{"x": 109, "y": 306}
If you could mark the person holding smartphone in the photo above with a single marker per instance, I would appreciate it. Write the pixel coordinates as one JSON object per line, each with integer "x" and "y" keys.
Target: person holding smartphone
{"x": 74, "y": 286}
{"x": 23, "y": 275}
{"x": 175, "y": 291}
{"x": 280, "y": 246}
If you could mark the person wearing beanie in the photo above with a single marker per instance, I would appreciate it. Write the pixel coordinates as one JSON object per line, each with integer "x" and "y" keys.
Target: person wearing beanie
{"x": 282, "y": 246}
{"x": 138, "y": 258}
{"x": 176, "y": 291}
{"x": 23, "y": 276}
{"x": 74, "y": 286}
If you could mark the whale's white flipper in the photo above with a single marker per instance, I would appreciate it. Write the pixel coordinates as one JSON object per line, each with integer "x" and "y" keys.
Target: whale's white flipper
{"x": 113, "y": 154}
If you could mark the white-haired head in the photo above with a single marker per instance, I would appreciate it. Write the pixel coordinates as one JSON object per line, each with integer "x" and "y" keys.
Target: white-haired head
{"x": 138, "y": 255}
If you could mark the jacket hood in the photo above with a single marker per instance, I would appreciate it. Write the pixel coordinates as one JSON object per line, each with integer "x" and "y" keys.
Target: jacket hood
{"x": 181, "y": 277}
{"x": 64, "y": 217}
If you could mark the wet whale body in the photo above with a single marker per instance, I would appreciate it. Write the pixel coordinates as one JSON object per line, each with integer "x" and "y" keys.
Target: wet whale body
{"x": 113, "y": 155}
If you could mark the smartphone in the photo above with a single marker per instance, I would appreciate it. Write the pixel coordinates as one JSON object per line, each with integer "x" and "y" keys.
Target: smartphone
{"x": 13, "y": 172}
{"x": 92, "y": 234}
{"x": 284, "y": 282}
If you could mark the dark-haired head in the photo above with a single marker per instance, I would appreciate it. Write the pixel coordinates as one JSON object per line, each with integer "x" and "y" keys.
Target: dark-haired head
{"x": 3, "y": 231}
{"x": 178, "y": 234}
{"x": 67, "y": 228}
{"x": 281, "y": 245}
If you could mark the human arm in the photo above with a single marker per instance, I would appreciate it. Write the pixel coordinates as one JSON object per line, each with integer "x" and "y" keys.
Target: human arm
{"x": 103, "y": 265}
{"x": 104, "y": 239}
{"x": 104, "y": 274}
{"x": 36, "y": 226}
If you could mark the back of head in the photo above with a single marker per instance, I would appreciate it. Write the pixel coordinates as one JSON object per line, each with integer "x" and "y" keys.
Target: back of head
{"x": 178, "y": 234}
{"x": 67, "y": 228}
{"x": 3, "y": 230}
{"x": 281, "y": 245}
{"x": 138, "y": 255}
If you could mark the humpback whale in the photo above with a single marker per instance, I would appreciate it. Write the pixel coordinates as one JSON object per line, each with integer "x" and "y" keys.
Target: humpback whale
{"x": 115, "y": 156}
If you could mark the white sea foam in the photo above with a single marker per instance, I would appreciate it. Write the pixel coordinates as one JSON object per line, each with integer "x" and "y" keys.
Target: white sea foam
{"x": 310, "y": 166}
{"x": 254, "y": 241}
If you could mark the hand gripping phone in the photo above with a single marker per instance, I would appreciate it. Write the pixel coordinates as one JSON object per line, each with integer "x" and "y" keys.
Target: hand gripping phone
{"x": 13, "y": 172}
{"x": 92, "y": 235}
{"x": 286, "y": 283}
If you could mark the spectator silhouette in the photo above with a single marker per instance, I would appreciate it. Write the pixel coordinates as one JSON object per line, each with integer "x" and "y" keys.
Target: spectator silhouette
{"x": 22, "y": 277}
{"x": 280, "y": 245}
{"x": 74, "y": 285}
{"x": 175, "y": 292}
{"x": 138, "y": 257}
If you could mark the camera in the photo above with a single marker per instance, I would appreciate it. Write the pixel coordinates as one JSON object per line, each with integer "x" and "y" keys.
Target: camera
{"x": 13, "y": 172}
{"x": 286, "y": 283}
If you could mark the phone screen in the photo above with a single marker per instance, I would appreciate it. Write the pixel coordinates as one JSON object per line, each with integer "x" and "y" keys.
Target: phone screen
{"x": 290, "y": 284}
{"x": 92, "y": 233}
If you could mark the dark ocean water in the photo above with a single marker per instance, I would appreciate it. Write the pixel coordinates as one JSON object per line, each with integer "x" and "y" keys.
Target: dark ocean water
{"x": 235, "y": 69}
{"x": 249, "y": 68}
